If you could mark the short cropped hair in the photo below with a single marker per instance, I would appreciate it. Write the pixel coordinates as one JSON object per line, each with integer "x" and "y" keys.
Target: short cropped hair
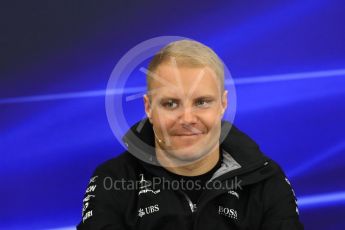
{"x": 187, "y": 53}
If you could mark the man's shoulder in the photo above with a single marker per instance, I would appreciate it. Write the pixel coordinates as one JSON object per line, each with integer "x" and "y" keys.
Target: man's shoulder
{"x": 121, "y": 165}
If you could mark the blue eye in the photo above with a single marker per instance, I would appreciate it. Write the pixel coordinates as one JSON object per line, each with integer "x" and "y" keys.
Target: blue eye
{"x": 202, "y": 103}
{"x": 170, "y": 104}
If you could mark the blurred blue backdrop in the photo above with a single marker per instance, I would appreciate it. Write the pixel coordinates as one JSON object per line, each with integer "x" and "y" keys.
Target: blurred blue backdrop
{"x": 287, "y": 59}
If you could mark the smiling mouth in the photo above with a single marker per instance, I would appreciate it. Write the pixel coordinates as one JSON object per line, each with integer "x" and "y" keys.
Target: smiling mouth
{"x": 188, "y": 134}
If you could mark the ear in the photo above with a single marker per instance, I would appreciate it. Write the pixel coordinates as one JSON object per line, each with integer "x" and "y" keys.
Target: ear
{"x": 224, "y": 101}
{"x": 148, "y": 108}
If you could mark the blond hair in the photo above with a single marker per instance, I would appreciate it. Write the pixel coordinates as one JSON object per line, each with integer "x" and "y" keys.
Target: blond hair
{"x": 187, "y": 53}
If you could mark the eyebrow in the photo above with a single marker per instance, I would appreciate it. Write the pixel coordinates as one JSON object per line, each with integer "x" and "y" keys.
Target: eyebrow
{"x": 208, "y": 96}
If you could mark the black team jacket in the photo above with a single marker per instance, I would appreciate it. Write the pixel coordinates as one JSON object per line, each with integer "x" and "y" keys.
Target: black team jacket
{"x": 249, "y": 191}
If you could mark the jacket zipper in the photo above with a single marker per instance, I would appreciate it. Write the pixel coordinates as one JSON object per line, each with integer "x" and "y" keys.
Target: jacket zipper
{"x": 189, "y": 201}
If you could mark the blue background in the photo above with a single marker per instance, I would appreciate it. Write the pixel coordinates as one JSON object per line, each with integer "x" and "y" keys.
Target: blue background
{"x": 287, "y": 58}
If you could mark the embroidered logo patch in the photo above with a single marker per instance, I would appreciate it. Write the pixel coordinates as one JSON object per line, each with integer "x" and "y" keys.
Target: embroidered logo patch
{"x": 228, "y": 212}
{"x": 232, "y": 192}
{"x": 148, "y": 210}
{"x": 145, "y": 186}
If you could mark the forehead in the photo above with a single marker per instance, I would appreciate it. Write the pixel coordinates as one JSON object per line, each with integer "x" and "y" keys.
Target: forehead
{"x": 175, "y": 80}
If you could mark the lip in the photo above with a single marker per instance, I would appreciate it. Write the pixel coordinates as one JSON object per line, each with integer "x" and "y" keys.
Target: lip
{"x": 188, "y": 134}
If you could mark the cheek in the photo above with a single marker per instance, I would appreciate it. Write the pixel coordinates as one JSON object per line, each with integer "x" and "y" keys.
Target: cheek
{"x": 162, "y": 122}
{"x": 210, "y": 118}
{"x": 161, "y": 114}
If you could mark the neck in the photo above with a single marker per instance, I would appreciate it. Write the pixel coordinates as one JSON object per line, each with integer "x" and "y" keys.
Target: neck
{"x": 195, "y": 168}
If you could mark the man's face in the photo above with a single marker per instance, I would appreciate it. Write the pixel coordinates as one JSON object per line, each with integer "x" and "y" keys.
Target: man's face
{"x": 186, "y": 109}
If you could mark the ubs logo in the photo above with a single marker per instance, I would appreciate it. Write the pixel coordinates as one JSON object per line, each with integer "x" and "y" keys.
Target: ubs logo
{"x": 148, "y": 210}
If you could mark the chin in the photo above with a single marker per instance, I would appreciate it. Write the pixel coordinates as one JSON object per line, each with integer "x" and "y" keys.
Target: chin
{"x": 188, "y": 154}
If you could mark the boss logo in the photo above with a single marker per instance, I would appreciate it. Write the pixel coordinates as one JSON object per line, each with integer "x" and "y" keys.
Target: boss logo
{"x": 228, "y": 212}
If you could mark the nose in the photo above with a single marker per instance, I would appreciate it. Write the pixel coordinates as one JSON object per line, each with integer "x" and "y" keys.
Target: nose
{"x": 188, "y": 116}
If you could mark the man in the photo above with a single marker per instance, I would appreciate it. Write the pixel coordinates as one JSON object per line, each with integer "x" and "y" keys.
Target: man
{"x": 190, "y": 178}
